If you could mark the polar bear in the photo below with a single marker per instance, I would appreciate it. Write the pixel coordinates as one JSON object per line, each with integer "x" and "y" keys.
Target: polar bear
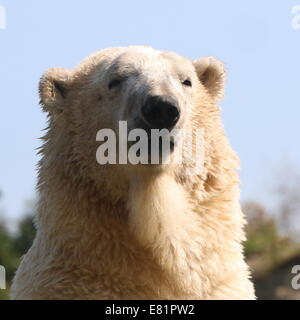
{"x": 135, "y": 231}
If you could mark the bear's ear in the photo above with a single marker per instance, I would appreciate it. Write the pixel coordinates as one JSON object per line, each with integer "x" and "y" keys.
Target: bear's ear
{"x": 53, "y": 89}
{"x": 211, "y": 73}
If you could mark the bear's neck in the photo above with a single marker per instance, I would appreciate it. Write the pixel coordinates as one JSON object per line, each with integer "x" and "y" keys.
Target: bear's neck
{"x": 156, "y": 220}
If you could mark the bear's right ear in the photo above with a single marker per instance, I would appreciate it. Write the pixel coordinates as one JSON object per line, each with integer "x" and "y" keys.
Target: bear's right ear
{"x": 53, "y": 89}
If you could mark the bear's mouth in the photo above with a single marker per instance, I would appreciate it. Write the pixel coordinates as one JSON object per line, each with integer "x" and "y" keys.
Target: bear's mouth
{"x": 160, "y": 147}
{"x": 151, "y": 146}
{"x": 153, "y": 152}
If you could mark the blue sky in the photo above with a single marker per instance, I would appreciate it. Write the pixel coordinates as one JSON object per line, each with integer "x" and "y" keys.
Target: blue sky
{"x": 255, "y": 39}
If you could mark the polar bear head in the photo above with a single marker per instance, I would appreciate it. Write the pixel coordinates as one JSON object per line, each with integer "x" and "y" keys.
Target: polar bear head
{"x": 145, "y": 88}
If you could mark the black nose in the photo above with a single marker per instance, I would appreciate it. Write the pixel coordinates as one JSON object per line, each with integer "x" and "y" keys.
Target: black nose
{"x": 161, "y": 112}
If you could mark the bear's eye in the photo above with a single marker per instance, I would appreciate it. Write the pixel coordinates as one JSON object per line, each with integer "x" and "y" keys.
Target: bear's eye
{"x": 187, "y": 83}
{"x": 114, "y": 83}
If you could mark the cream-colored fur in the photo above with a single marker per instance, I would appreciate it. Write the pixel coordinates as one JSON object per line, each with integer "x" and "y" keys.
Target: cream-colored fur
{"x": 134, "y": 232}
